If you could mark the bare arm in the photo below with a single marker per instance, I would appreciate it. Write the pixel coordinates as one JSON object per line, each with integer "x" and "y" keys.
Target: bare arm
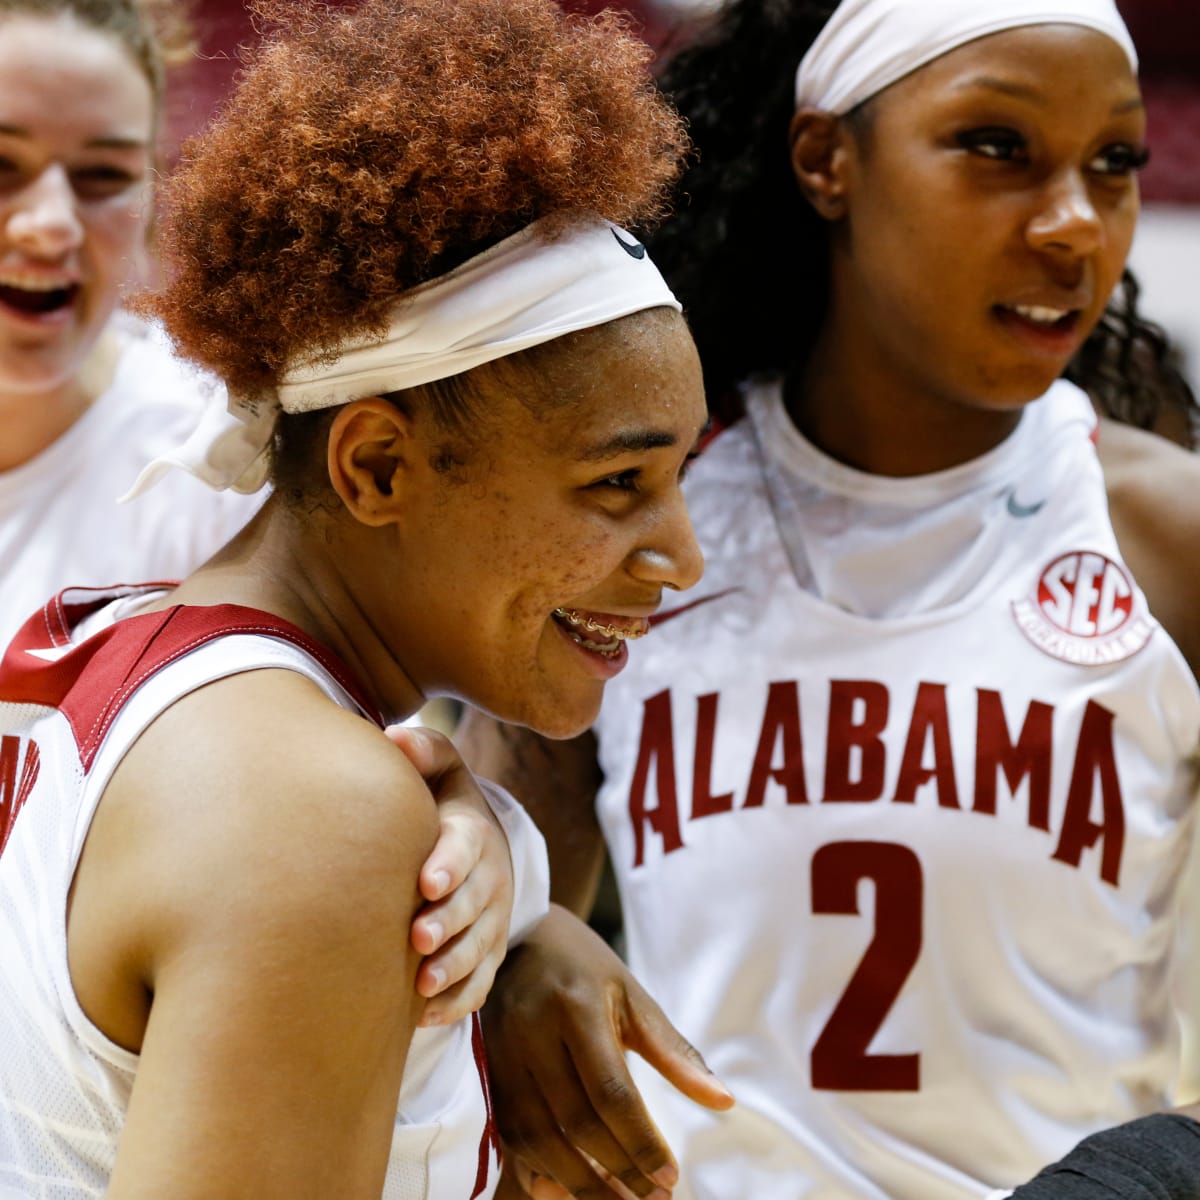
{"x": 1154, "y": 500}
{"x": 557, "y": 782}
{"x": 565, "y": 1009}
{"x": 264, "y": 928}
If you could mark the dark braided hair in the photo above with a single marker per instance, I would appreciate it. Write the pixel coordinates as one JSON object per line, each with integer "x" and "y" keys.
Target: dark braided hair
{"x": 744, "y": 234}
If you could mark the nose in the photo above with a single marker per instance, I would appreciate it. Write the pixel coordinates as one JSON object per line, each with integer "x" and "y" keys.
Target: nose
{"x": 41, "y": 219}
{"x": 670, "y": 557}
{"x": 1066, "y": 221}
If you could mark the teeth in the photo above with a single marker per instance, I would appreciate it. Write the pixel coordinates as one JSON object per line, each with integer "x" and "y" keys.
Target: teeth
{"x": 582, "y": 621}
{"x": 1040, "y": 314}
{"x": 40, "y": 284}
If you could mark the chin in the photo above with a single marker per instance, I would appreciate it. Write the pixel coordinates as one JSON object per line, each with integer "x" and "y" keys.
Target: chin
{"x": 561, "y": 721}
{"x": 1018, "y": 392}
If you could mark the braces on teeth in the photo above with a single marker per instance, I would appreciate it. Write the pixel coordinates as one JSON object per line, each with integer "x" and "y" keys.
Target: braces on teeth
{"x": 611, "y": 631}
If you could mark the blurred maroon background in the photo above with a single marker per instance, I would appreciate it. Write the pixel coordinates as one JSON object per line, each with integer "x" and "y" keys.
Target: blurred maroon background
{"x": 1167, "y": 33}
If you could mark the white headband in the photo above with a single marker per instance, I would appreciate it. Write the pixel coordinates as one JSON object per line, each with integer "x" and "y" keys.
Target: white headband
{"x": 867, "y": 45}
{"x": 528, "y": 289}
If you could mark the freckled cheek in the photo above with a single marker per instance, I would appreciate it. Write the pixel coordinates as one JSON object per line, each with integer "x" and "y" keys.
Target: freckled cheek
{"x": 561, "y": 567}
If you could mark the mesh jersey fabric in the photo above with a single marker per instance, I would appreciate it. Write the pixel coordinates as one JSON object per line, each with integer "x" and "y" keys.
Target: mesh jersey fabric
{"x": 60, "y": 523}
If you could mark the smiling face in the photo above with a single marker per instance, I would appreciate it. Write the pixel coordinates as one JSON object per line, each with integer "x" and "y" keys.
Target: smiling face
{"x": 530, "y": 563}
{"x": 76, "y": 130}
{"x": 988, "y": 206}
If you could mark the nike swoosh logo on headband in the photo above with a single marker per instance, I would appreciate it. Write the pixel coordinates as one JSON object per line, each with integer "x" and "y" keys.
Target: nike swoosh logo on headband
{"x": 658, "y": 618}
{"x": 633, "y": 249}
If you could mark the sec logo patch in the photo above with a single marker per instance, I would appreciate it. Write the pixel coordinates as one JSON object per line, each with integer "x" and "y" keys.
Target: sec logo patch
{"x": 1085, "y": 610}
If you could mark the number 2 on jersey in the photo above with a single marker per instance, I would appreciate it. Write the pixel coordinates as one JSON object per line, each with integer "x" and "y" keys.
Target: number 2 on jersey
{"x": 840, "y": 1060}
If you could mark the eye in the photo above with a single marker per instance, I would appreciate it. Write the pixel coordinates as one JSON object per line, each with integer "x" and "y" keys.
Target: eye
{"x": 995, "y": 142}
{"x": 1119, "y": 159}
{"x": 623, "y": 481}
{"x": 9, "y": 172}
{"x": 100, "y": 182}
{"x": 687, "y": 464}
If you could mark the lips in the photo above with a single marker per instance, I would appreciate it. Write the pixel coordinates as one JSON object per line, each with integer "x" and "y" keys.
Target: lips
{"x": 602, "y": 633}
{"x": 1048, "y": 326}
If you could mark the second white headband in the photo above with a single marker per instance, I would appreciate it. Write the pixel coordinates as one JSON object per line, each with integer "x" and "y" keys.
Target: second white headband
{"x": 867, "y": 45}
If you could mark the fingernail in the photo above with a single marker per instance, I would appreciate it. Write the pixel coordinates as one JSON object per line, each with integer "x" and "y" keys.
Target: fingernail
{"x": 436, "y": 932}
{"x": 667, "y": 1176}
{"x": 441, "y": 881}
{"x": 438, "y": 977}
{"x": 430, "y": 1018}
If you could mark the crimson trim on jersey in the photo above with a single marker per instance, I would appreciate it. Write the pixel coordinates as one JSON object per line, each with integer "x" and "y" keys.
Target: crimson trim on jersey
{"x": 118, "y": 660}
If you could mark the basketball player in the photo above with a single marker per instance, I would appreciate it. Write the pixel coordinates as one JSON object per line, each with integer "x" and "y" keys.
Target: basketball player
{"x": 899, "y": 802}
{"x": 90, "y": 393}
{"x": 211, "y": 862}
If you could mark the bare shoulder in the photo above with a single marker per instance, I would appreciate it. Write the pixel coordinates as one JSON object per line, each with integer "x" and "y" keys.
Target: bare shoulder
{"x": 268, "y": 755}
{"x": 1153, "y": 488}
{"x": 252, "y": 876}
{"x": 252, "y": 809}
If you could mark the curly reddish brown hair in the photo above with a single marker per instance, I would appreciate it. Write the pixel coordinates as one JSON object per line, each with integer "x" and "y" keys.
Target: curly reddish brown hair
{"x": 371, "y": 147}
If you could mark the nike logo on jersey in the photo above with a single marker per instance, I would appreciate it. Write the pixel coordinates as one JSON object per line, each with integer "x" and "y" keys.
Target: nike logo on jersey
{"x": 1019, "y": 510}
{"x": 633, "y": 249}
{"x": 658, "y": 618}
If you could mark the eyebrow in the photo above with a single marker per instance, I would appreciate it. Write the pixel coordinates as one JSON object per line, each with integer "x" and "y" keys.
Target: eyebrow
{"x": 1024, "y": 92}
{"x": 106, "y": 142}
{"x": 633, "y": 440}
{"x": 626, "y": 442}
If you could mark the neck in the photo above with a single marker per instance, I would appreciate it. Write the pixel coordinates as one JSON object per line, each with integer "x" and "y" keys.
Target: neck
{"x": 873, "y": 415}
{"x": 294, "y": 571}
{"x": 34, "y": 420}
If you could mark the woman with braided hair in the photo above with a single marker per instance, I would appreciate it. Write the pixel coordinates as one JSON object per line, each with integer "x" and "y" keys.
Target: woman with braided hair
{"x": 474, "y": 397}
{"x": 899, "y": 802}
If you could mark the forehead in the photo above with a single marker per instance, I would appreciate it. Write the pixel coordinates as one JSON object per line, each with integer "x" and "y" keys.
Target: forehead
{"x": 1057, "y": 66}
{"x": 635, "y": 378}
{"x": 58, "y": 76}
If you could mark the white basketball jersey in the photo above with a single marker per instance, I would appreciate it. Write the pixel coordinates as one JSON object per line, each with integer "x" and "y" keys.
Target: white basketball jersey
{"x": 60, "y": 523}
{"x": 898, "y": 800}
{"x": 68, "y": 712}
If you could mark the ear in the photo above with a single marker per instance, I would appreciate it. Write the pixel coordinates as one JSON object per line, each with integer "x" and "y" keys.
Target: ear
{"x": 820, "y": 151}
{"x": 370, "y": 442}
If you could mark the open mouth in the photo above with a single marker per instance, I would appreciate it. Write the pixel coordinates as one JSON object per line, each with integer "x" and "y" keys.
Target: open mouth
{"x": 1042, "y": 317}
{"x": 36, "y": 300}
{"x": 601, "y": 637}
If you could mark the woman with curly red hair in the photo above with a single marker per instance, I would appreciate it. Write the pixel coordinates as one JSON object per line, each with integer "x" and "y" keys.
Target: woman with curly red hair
{"x": 475, "y": 397}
